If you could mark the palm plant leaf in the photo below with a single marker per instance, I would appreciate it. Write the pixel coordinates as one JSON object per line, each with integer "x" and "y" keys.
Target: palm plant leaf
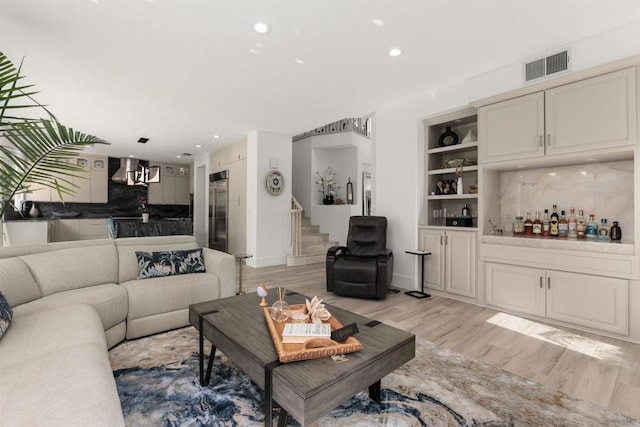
{"x": 39, "y": 151}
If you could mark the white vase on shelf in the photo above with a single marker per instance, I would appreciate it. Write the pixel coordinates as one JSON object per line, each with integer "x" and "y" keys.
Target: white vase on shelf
{"x": 34, "y": 212}
{"x": 469, "y": 137}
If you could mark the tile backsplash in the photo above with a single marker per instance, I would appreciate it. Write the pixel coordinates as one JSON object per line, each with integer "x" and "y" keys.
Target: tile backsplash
{"x": 605, "y": 189}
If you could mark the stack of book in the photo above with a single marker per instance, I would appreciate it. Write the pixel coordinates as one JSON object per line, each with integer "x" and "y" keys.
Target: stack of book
{"x": 295, "y": 333}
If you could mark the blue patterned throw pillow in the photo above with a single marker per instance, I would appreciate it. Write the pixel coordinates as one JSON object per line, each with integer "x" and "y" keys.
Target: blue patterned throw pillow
{"x": 5, "y": 314}
{"x": 169, "y": 263}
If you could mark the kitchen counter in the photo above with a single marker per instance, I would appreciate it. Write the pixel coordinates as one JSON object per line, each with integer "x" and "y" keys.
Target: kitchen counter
{"x": 134, "y": 227}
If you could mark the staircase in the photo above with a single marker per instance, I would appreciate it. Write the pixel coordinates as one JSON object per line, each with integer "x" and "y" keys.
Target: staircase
{"x": 313, "y": 245}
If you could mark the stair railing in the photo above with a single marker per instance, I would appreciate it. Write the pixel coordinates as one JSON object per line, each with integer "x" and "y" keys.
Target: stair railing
{"x": 296, "y": 227}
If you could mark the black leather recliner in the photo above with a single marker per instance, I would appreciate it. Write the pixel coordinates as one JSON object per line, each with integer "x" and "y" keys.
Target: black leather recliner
{"x": 364, "y": 267}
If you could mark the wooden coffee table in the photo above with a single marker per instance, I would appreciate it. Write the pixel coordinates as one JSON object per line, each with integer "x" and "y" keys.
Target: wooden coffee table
{"x": 307, "y": 389}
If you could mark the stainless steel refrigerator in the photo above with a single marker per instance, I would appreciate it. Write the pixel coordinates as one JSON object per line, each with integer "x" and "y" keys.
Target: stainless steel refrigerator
{"x": 219, "y": 210}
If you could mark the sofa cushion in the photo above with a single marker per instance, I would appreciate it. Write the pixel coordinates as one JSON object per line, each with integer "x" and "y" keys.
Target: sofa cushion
{"x": 73, "y": 268}
{"x": 169, "y": 263}
{"x": 73, "y": 386}
{"x": 128, "y": 246}
{"x": 16, "y": 281}
{"x": 166, "y": 294}
{"x": 39, "y": 334}
{"x": 5, "y": 314}
{"x": 110, "y": 300}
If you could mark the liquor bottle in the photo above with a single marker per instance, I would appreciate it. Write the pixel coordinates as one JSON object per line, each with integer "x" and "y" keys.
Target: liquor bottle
{"x": 581, "y": 226}
{"x": 518, "y": 226}
{"x": 465, "y": 210}
{"x": 573, "y": 224}
{"x": 563, "y": 225}
{"x": 546, "y": 224}
{"x": 603, "y": 230}
{"x": 615, "y": 233}
{"x": 528, "y": 225}
{"x": 592, "y": 227}
{"x": 553, "y": 229}
{"x": 537, "y": 225}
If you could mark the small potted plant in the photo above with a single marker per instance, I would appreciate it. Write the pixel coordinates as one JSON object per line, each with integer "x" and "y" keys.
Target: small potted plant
{"x": 328, "y": 186}
{"x": 143, "y": 207}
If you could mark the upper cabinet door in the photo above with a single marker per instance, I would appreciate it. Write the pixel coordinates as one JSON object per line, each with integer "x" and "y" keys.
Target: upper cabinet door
{"x": 596, "y": 113}
{"x": 512, "y": 129}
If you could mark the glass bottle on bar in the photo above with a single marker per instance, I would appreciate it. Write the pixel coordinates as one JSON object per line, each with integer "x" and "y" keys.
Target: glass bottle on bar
{"x": 537, "y": 225}
{"x": 528, "y": 225}
{"x": 546, "y": 224}
{"x": 553, "y": 231}
{"x": 563, "y": 226}
{"x": 573, "y": 224}
{"x": 581, "y": 226}
{"x": 518, "y": 226}
{"x": 592, "y": 227}
{"x": 615, "y": 233}
{"x": 603, "y": 230}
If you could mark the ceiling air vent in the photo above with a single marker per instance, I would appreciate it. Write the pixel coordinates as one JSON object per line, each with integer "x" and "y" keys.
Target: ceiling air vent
{"x": 546, "y": 66}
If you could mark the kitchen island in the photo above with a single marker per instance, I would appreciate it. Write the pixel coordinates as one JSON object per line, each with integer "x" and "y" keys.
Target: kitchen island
{"x": 134, "y": 227}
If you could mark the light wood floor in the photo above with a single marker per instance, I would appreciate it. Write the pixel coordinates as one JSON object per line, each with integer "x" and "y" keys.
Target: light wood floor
{"x": 586, "y": 366}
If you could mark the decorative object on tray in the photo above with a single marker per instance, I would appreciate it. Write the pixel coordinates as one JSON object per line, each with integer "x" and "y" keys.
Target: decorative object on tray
{"x": 448, "y": 138}
{"x": 262, "y": 292}
{"x": 469, "y": 137}
{"x": 280, "y": 308}
{"x": 317, "y": 312}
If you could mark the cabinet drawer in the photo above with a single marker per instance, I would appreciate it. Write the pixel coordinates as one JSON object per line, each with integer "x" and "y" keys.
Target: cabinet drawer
{"x": 91, "y": 227}
{"x": 601, "y": 264}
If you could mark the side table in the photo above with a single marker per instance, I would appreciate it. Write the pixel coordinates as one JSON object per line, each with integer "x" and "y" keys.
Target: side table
{"x": 419, "y": 294}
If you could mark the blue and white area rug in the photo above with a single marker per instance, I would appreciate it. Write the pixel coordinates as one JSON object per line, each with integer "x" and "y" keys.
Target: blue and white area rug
{"x": 157, "y": 379}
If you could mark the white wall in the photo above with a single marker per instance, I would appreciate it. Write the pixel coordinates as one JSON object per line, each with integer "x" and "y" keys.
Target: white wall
{"x": 201, "y": 199}
{"x": 398, "y": 153}
{"x": 268, "y": 216}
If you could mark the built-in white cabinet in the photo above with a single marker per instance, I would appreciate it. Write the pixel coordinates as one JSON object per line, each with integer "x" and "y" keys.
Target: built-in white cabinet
{"x": 81, "y": 229}
{"x": 17, "y": 233}
{"x": 591, "y": 114}
{"x": 91, "y": 185}
{"x": 173, "y": 188}
{"x": 451, "y": 267}
{"x": 590, "y": 301}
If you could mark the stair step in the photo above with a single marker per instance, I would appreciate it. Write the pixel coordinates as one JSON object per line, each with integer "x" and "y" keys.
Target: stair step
{"x": 316, "y": 248}
{"x": 310, "y": 229}
{"x": 315, "y": 238}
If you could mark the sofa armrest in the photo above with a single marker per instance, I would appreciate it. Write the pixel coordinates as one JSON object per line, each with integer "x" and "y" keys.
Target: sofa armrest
{"x": 224, "y": 265}
{"x": 336, "y": 250}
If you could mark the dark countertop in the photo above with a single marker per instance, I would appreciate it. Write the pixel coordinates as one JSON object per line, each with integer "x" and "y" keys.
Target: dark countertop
{"x": 134, "y": 227}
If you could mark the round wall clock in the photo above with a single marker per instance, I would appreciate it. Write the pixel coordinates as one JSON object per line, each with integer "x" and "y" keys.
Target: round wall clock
{"x": 275, "y": 182}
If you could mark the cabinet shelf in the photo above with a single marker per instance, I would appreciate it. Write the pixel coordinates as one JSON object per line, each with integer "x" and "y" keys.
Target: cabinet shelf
{"x": 452, "y": 196}
{"x": 452, "y": 170}
{"x": 459, "y": 148}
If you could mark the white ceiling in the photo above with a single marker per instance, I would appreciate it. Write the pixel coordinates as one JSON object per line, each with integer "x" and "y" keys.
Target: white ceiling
{"x": 180, "y": 71}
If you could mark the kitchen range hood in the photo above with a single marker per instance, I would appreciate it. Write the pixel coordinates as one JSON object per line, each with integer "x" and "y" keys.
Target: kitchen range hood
{"x": 128, "y": 167}
{"x": 131, "y": 172}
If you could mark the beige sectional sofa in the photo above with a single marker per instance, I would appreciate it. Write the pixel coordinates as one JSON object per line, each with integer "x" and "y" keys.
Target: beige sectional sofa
{"x": 72, "y": 301}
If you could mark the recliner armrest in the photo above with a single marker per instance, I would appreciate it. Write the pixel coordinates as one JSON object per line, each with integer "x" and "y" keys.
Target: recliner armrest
{"x": 384, "y": 255}
{"x": 333, "y": 251}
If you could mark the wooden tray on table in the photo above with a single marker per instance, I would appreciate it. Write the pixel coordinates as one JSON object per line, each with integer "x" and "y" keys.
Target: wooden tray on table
{"x": 313, "y": 347}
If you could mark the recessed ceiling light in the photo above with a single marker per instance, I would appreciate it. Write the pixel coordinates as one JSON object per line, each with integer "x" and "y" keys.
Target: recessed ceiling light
{"x": 378, "y": 22}
{"x": 299, "y": 61}
{"x": 216, "y": 136}
{"x": 255, "y": 52}
{"x": 395, "y": 52}
{"x": 198, "y": 146}
{"x": 262, "y": 28}
{"x": 178, "y": 156}
{"x": 131, "y": 155}
{"x": 259, "y": 45}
